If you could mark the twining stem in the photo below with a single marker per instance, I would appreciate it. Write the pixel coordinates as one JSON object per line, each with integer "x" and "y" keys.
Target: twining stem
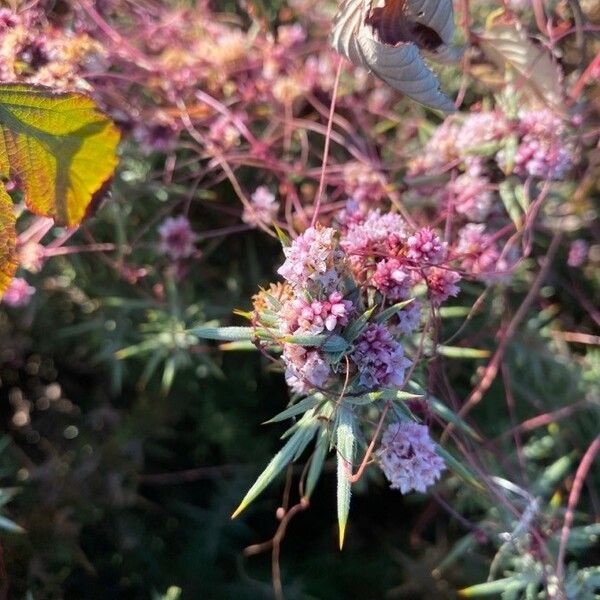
{"x": 580, "y": 475}
{"x": 327, "y": 141}
{"x": 491, "y": 370}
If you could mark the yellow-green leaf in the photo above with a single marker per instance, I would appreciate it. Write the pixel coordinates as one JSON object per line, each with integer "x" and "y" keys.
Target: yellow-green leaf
{"x": 8, "y": 241}
{"x": 58, "y": 146}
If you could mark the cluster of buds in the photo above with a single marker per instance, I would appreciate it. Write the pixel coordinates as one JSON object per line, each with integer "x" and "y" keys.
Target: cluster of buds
{"x": 345, "y": 319}
{"x": 465, "y": 162}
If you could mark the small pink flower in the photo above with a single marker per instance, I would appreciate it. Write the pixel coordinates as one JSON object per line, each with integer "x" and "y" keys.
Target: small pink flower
{"x": 18, "y": 293}
{"x": 543, "y": 151}
{"x": 305, "y": 369}
{"x": 470, "y": 195}
{"x": 177, "y": 239}
{"x": 300, "y": 315}
{"x": 408, "y": 458}
{"x": 441, "y": 284}
{"x": 425, "y": 246}
{"x": 311, "y": 257}
{"x": 379, "y": 358}
{"x": 392, "y": 279}
{"x": 578, "y": 253}
{"x": 263, "y": 208}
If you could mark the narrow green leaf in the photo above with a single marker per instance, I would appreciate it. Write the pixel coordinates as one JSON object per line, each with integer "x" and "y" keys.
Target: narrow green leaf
{"x": 316, "y": 462}
{"x": 440, "y": 409}
{"x": 388, "y": 313}
{"x": 296, "y": 409}
{"x": 394, "y": 395}
{"x": 7, "y": 494}
{"x": 168, "y": 377}
{"x": 345, "y": 459}
{"x": 356, "y": 327}
{"x": 459, "y": 468}
{"x": 507, "y": 194}
{"x": 493, "y": 588}
{"x": 306, "y": 429}
{"x": 462, "y": 547}
{"x": 141, "y": 348}
{"x": 454, "y": 312}
{"x": 552, "y": 475}
{"x": 224, "y": 334}
{"x": 150, "y": 367}
{"x": 283, "y": 236}
{"x": 241, "y": 346}
{"x": 459, "y": 352}
{"x": 335, "y": 343}
{"x": 8, "y": 525}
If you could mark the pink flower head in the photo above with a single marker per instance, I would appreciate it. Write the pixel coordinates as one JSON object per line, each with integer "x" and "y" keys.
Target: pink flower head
{"x": 409, "y": 318}
{"x": 368, "y": 238}
{"x": 392, "y": 279}
{"x": 479, "y": 129}
{"x": 177, "y": 238}
{"x": 263, "y": 207}
{"x": 469, "y": 195}
{"x": 379, "y": 358}
{"x": 439, "y": 152}
{"x": 363, "y": 183}
{"x": 305, "y": 369}
{"x": 408, "y": 458}
{"x": 425, "y": 246}
{"x": 543, "y": 151}
{"x": 578, "y": 253}
{"x": 312, "y": 256}
{"x": 478, "y": 253}
{"x": 441, "y": 284}
{"x": 315, "y": 316}
{"x": 18, "y": 293}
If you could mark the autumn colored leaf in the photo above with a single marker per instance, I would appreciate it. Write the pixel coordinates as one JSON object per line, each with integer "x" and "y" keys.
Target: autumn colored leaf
{"x": 58, "y": 146}
{"x": 8, "y": 241}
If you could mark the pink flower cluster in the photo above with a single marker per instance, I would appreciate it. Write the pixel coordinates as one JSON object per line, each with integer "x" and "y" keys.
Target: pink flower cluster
{"x": 379, "y": 358}
{"x": 384, "y": 256}
{"x": 262, "y": 209}
{"x": 177, "y": 239}
{"x": 424, "y": 246}
{"x": 543, "y": 151}
{"x": 18, "y": 293}
{"x": 408, "y": 458}
{"x": 316, "y": 316}
{"x": 312, "y": 257}
{"x": 459, "y": 169}
{"x": 392, "y": 279}
{"x": 305, "y": 369}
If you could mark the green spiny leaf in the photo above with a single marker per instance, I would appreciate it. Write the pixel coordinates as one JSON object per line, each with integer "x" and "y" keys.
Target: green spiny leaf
{"x": 316, "y": 462}
{"x": 296, "y": 409}
{"x": 345, "y": 442}
{"x": 307, "y": 427}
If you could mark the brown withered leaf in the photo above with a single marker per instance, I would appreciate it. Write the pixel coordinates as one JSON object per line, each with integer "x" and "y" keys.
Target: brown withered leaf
{"x": 389, "y": 37}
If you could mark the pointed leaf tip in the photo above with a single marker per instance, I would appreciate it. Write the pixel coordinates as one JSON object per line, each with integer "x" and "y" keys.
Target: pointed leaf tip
{"x": 342, "y": 535}
{"x": 345, "y": 442}
{"x": 238, "y": 510}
